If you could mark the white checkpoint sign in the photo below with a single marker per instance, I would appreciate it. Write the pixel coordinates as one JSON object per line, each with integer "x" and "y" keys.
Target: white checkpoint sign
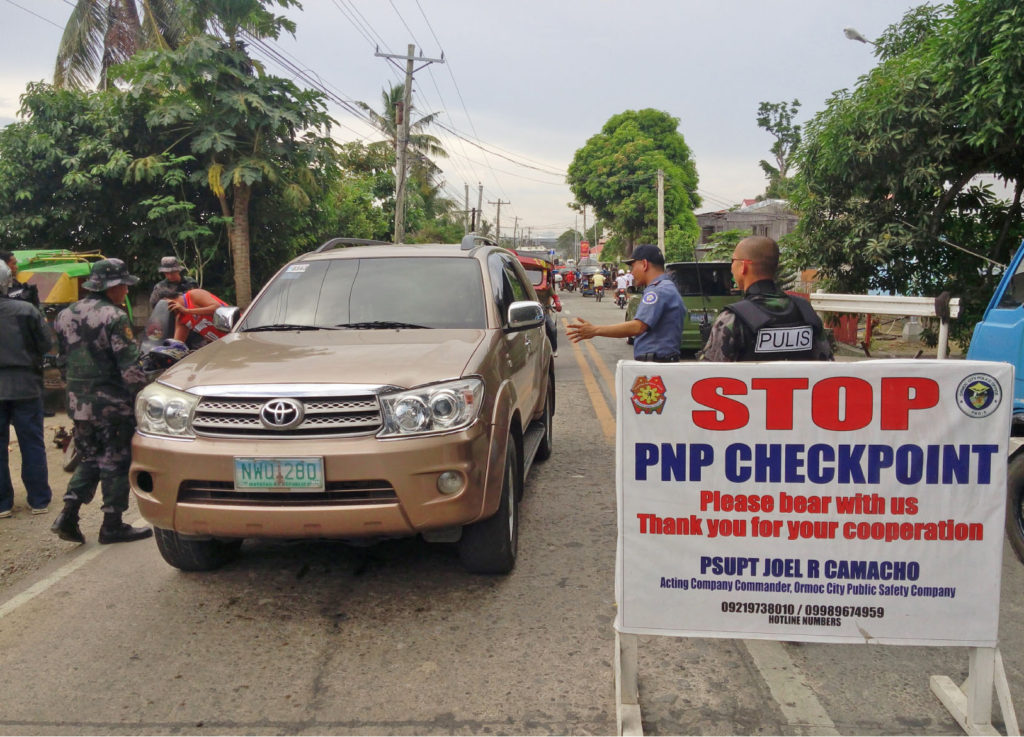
{"x": 813, "y": 501}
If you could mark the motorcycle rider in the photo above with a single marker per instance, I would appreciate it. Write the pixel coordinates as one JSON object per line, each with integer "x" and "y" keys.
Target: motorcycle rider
{"x": 193, "y": 312}
{"x": 621, "y": 287}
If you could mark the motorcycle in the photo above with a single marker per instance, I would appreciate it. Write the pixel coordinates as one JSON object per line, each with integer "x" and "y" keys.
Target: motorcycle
{"x": 620, "y": 298}
{"x": 598, "y": 293}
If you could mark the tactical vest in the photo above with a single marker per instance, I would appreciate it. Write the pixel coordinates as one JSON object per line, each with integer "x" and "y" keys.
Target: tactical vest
{"x": 777, "y": 336}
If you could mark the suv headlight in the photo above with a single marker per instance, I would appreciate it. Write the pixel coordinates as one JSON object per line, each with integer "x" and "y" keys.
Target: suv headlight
{"x": 161, "y": 410}
{"x": 453, "y": 405}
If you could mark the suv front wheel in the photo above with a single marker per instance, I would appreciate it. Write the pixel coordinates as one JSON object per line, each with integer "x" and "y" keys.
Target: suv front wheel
{"x": 192, "y": 554}
{"x": 489, "y": 546}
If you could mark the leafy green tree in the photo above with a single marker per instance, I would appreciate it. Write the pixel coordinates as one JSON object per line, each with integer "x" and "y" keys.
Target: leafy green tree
{"x": 887, "y": 177}
{"x": 102, "y": 33}
{"x": 777, "y": 119}
{"x": 616, "y": 173}
{"x": 565, "y": 244}
{"x": 245, "y": 129}
{"x": 679, "y": 244}
{"x": 63, "y": 184}
{"x": 723, "y": 243}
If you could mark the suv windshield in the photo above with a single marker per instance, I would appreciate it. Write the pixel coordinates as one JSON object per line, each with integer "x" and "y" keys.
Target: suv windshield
{"x": 373, "y": 293}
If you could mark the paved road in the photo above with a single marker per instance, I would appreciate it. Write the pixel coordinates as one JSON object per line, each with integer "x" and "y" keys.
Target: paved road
{"x": 324, "y": 638}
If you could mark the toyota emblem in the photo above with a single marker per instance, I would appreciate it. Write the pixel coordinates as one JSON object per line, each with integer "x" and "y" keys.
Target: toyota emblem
{"x": 281, "y": 414}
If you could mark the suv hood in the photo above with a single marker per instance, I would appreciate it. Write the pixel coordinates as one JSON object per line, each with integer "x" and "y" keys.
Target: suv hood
{"x": 403, "y": 358}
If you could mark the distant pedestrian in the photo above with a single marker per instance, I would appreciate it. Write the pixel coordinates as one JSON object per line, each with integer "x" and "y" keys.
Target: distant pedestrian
{"x": 658, "y": 325}
{"x": 25, "y": 342}
{"x": 767, "y": 324}
{"x": 103, "y": 377}
{"x": 174, "y": 284}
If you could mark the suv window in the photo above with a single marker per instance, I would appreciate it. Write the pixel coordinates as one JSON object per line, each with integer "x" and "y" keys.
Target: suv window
{"x": 430, "y": 292}
{"x": 519, "y": 292}
{"x": 508, "y": 287}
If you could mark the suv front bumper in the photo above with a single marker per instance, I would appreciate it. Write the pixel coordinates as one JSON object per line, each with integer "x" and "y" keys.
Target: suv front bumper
{"x": 375, "y": 488}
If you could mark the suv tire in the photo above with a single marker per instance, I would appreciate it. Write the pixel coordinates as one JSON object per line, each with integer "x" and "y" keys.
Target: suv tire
{"x": 489, "y": 546}
{"x": 191, "y": 554}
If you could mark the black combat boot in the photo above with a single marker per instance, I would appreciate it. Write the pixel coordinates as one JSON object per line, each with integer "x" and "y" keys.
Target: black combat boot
{"x": 114, "y": 530}
{"x": 66, "y": 525}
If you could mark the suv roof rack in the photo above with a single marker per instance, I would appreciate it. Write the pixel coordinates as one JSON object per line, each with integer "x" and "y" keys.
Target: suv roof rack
{"x": 472, "y": 240}
{"x": 339, "y": 242}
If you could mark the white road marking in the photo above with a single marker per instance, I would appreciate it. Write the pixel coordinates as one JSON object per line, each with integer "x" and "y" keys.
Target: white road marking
{"x": 789, "y": 688}
{"x": 38, "y": 588}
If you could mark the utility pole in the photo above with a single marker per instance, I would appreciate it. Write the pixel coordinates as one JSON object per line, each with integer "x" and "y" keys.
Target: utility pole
{"x": 576, "y": 239}
{"x": 585, "y": 228}
{"x": 515, "y": 233}
{"x": 403, "y": 134}
{"x": 661, "y": 210}
{"x": 465, "y": 214}
{"x": 497, "y": 224}
{"x": 479, "y": 205}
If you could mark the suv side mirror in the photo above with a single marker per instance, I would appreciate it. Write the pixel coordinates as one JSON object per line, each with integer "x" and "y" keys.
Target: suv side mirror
{"x": 224, "y": 318}
{"x": 524, "y": 315}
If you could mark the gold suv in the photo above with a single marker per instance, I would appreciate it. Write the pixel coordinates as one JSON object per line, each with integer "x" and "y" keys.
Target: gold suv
{"x": 368, "y": 391}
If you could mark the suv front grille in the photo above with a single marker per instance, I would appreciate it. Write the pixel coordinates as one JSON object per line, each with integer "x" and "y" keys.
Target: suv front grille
{"x": 324, "y": 417}
{"x": 336, "y": 494}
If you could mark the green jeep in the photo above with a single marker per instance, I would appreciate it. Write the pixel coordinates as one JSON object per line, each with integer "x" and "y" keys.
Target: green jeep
{"x": 706, "y": 287}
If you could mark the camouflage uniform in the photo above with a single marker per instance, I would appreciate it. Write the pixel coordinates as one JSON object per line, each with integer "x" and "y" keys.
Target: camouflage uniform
{"x": 729, "y": 338}
{"x": 103, "y": 376}
{"x": 166, "y": 289}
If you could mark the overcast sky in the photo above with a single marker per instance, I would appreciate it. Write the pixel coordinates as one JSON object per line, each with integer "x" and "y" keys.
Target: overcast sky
{"x": 530, "y": 81}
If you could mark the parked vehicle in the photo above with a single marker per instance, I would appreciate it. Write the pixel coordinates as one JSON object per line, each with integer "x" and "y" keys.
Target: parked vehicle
{"x": 1000, "y": 337}
{"x": 57, "y": 276}
{"x": 336, "y": 408}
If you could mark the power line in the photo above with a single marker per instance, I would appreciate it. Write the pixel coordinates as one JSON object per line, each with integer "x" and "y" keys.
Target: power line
{"x": 502, "y": 156}
{"x": 30, "y": 12}
{"x": 415, "y": 40}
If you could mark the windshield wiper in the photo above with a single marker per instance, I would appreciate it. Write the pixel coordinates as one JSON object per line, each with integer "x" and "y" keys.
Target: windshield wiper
{"x": 380, "y": 325}
{"x": 282, "y": 326}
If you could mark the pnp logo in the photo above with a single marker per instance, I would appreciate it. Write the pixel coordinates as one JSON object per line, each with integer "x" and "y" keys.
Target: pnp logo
{"x": 777, "y": 340}
{"x": 648, "y": 395}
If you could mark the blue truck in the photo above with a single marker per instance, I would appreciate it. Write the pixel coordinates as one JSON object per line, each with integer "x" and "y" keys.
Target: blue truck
{"x": 1000, "y": 337}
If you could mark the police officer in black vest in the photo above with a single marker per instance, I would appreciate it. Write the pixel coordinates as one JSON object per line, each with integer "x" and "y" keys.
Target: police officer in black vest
{"x": 767, "y": 324}
{"x": 658, "y": 324}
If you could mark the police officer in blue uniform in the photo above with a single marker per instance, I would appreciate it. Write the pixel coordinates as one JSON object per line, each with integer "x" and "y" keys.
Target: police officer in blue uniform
{"x": 658, "y": 324}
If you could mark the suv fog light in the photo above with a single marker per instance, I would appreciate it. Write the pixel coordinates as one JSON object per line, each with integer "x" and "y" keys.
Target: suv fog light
{"x": 450, "y": 482}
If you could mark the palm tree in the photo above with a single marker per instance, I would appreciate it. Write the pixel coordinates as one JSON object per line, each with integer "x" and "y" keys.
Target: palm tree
{"x": 420, "y": 143}
{"x": 102, "y": 33}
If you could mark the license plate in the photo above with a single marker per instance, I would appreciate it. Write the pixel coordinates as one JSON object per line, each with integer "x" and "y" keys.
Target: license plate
{"x": 701, "y": 316}
{"x": 306, "y": 474}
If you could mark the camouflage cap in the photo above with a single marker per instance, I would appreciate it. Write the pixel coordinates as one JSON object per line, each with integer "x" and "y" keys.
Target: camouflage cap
{"x": 170, "y": 263}
{"x": 108, "y": 273}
